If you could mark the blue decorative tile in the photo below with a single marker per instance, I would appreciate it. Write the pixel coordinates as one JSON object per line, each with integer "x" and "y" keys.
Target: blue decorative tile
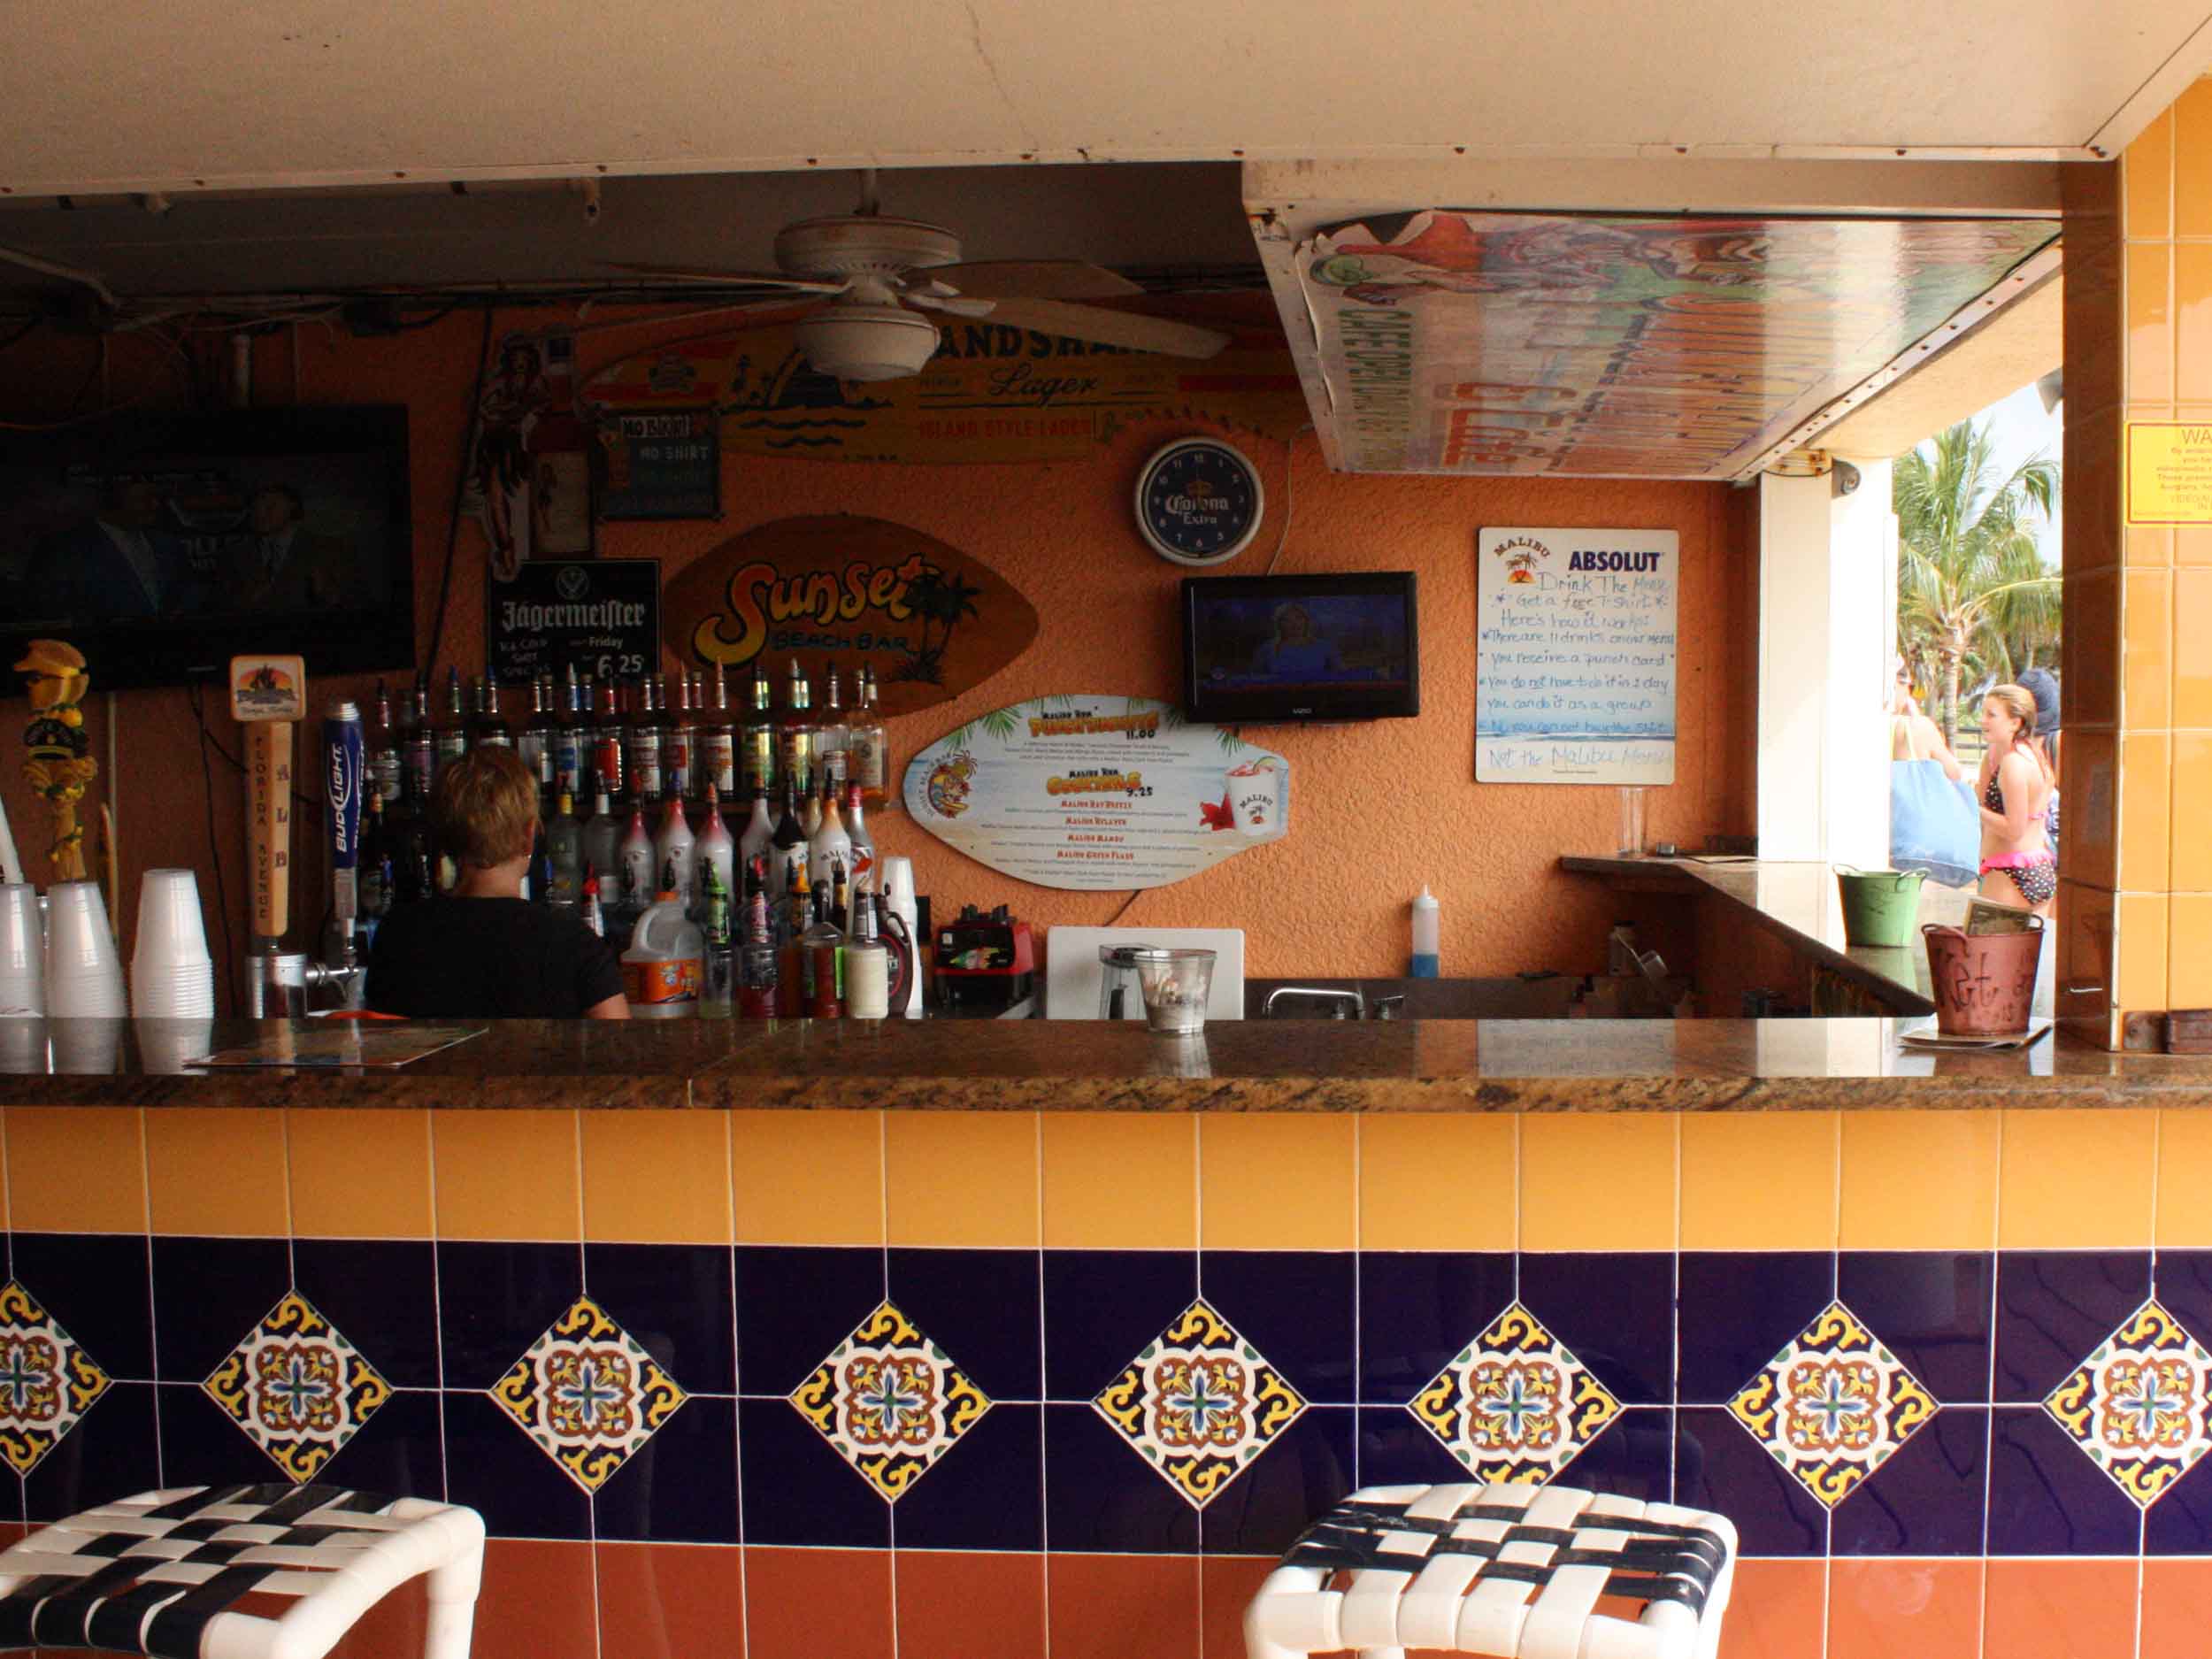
{"x": 493, "y": 1467}
{"x": 797, "y": 1489}
{"x": 987, "y": 1492}
{"x": 113, "y": 1453}
{"x": 796, "y": 1304}
{"x": 1616, "y": 1310}
{"x": 2054, "y": 1307}
{"x": 1294, "y": 1306}
{"x": 980, "y": 1306}
{"x": 382, "y": 1293}
{"x": 200, "y": 1445}
{"x": 2180, "y": 1523}
{"x": 1739, "y": 1309}
{"x": 2185, "y": 1287}
{"x": 1719, "y": 1466}
{"x": 1102, "y": 1497}
{"x": 208, "y": 1293}
{"x": 675, "y": 1299}
{"x": 1102, "y": 1306}
{"x": 400, "y": 1449}
{"x": 496, "y": 1299}
{"x": 1395, "y": 1450}
{"x": 1417, "y": 1308}
{"x": 1303, "y": 1472}
{"x": 1932, "y": 1309}
{"x": 1927, "y": 1498}
{"x": 1632, "y": 1456}
{"x": 95, "y": 1286}
{"x": 681, "y": 1487}
{"x": 2045, "y": 1498}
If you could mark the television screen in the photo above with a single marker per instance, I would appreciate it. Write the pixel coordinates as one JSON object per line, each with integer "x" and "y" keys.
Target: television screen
{"x": 161, "y": 545}
{"x": 1300, "y": 647}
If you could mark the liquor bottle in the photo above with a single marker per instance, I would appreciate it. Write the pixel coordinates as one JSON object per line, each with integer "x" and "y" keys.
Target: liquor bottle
{"x": 718, "y": 988}
{"x": 867, "y": 745}
{"x": 760, "y": 830}
{"x": 537, "y": 884}
{"x": 565, "y": 847}
{"x": 592, "y": 917}
{"x": 794, "y": 731}
{"x": 449, "y": 737}
{"x": 636, "y": 854}
{"x": 642, "y": 747}
{"x": 717, "y": 741}
{"x": 790, "y": 959}
{"x": 374, "y": 880}
{"x": 841, "y": 910}
{"x": 820, "y": 947}
{"x": 787, "y": 846}
{"x": 607, "y": 776}
{"x": 570, "y": 741}
{"x": 491, "y": 725}
{"x": 383, "y": 759}
{"x": 603, "y": 839}
{"x": 756, "y": 747}
{"x": 534, "y": 742}
{"x": 418, "y": 748}
{"x": 414, "y": 866}
{"x": 863, "y": 845}
{"x": 716, "y": 848}
{"x": 559, "y": 449}
{"x": 867, "y": 964}
{"x": 829, "y": 839}
{"x": 676, "y": 849}
{"x": 830, "y": 735}
{"x": 680, "y": 745}
{"x": 756, "y": 968}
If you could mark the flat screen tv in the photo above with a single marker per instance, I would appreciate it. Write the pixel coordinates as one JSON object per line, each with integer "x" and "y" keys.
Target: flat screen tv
{"x": 1272, "y": 649}
{"x": 163, "y": 545}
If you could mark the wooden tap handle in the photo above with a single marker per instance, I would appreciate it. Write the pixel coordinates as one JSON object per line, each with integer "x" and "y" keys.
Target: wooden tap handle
{"x": 269, "y": 824}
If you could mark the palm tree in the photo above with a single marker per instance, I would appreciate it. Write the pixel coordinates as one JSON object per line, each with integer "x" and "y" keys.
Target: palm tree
{"x": 1972, "y": 586}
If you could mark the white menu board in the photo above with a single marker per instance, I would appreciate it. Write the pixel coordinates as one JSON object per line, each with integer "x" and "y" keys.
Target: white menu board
{"x": 1575, "y": 655}
{"x": 1097, "y": 792}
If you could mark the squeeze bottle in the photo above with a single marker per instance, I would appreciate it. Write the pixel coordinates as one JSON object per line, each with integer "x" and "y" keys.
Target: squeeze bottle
{"x": 1427, "y": 925}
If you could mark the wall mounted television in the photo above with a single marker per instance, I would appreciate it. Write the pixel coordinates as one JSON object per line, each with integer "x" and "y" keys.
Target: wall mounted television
{"x": 1264, "y": 649}
{"x": 163, "y": 545}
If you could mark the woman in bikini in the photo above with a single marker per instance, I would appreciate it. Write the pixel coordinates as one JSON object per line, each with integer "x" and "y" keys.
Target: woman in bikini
{"x": 2014, "y": 785}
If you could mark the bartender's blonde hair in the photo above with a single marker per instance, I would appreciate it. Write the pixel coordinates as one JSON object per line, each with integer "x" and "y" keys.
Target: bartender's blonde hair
{"x": 485, "y": 808}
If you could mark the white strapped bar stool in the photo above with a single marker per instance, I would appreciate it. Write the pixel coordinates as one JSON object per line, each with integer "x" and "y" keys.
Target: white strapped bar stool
{"x": 1513, "y": 1571}
{"x": 161, "y": 1573}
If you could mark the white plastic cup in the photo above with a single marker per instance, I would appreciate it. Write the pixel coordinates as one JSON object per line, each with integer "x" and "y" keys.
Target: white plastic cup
{"x": 22, "y": 952}
{"x": 1255, "y": 798}
{"x": 84, "y": 977}
{"x": 898, "y": 881}
{"x": 171, "y": 930}
{"x": 184, "y": 993}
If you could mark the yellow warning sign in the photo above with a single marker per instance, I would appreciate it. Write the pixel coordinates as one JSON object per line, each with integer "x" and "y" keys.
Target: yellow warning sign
{"x": 2169, "y": 473}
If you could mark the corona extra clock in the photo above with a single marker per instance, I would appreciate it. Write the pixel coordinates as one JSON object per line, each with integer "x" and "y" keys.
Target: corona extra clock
{"x": 1199, "y": 502}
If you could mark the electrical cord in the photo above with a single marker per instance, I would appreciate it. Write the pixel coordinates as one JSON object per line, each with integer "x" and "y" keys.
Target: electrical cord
{"x": 1290, "y": 454}
{"x": 460, "y": 488}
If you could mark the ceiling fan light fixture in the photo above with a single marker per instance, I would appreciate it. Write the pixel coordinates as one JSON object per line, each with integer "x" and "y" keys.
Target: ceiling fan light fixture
{"x": 867, "y": 342}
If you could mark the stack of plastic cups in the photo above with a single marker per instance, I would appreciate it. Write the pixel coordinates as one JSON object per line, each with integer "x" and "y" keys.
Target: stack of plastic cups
{"x": 84, "y": 974}
{"x": 22, "y": 953}
{"x": 898, "y": 894}
{"x": 172, "y": 975}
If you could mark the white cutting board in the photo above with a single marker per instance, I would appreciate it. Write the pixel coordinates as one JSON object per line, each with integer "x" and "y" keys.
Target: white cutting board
{"x": 1073, "y": 972}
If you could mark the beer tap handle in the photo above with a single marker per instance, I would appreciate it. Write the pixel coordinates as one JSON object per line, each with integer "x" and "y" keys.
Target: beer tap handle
{"x": 343, "y": 759}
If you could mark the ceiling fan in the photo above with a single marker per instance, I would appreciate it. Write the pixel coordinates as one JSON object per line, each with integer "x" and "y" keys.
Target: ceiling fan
{"x": 876, "y": 276}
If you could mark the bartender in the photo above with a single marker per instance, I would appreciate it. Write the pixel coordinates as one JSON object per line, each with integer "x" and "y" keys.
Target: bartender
{"x": 485, "y": 952}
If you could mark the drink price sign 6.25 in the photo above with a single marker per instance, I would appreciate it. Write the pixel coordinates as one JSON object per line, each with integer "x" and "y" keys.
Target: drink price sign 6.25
{"x": 602, "y": 617}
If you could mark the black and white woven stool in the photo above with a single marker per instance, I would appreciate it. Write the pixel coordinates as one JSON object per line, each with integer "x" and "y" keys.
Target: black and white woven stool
{"x": 1517, "y": 1572}
{"x": 163, "y": 1573}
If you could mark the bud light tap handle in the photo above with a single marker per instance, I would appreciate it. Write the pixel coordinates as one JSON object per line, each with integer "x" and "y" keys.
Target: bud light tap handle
{"x": 343, "y": 759}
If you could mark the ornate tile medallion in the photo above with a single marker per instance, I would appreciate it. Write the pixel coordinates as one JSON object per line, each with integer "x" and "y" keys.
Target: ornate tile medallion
{"x": 1199, "y": 1403}
{"x": 1515, "y": 1404}
{"x": 1834, "y": 1405}
{"x": 47, "y": 1381}
{"x": 2138, "y": 1406}
{"x": 889, "y": 1401}
{"x": 297, "y": 1387}
{"x": 588, "y": 1394}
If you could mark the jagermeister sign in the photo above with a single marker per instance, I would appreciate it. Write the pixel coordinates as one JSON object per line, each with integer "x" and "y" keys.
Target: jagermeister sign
{"x": 930, "y": 620}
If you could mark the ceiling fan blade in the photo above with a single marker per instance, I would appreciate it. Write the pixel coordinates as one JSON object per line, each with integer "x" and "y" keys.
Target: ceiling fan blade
{"x": 730, "y": 278}
{"x": 951, "y": 303}
{"x": 1037, "y": 280}
{"x": 1112, "y": 328}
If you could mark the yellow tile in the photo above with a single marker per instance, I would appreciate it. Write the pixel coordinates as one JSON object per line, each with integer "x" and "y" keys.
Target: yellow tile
{"x": 1598, "y": 1181}
{"x": 216, "y": 1170}
{"x": 76, "y": 1169}
{"x": 2141, "y": 947}
{"x": 2147, "y": 178}
{"x": 1759, "y": 1180}
{"x": 2147, "y": 635}
{"x": 2188, "y": 954}
{"x": 1919, "y": 1180}
{"x": 361, "y": 1174}
{"x": 2150, "y": 323}
{"x": 1120, "y": 1181}
{"x": 2193, "y": 161}
{"x": 2149, "y": 546}
{"x": 504, "y": 1174}
{"x": 656, "y": 1177}
{"x": 2193, "y": 648}
{"x": 2185, "y": 1175}
{"x": 2193, "y": 545}
{"x": 1437, "y": 1182}
{"x": 806, "y": 1177}
{"x": 2192, "y": 323}
{"x": 2191, "y": 808}
{"x": 1276, "y": 1181}
{"x": 962, "y": 1179}
{"x": 2077, "y": 1180}
{"x": 2145, "y": 803}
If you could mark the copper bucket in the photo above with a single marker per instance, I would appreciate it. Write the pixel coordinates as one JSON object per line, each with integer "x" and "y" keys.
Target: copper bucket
{"x": 1984, "y": 983}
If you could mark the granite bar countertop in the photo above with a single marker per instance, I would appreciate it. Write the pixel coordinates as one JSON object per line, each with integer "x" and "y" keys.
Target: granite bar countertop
{"x": 1088, "y": 1066}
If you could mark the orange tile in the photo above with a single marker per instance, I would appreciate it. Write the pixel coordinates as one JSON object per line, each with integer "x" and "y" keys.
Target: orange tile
{"x": 1114, "y": 1606}
{"x": 2141, "y": 946}
{"x": 1120, "y": 1179}
{"x": 1437, "y": 1180}
{"x": 2192, "y": 323}
{"x": 2148, "y": 546}
{"x": 394, "y": 1625}
{"x": 671, "y": 1602}
{"x": 2077, "y": 1179}
{"x": 1777, "y": 1611}
{"x": 76, "y": 1169}
{"x": 362, "y": 1174}
{"x": 1931, "y": 1609}
{"x": 2191, "y": 651}
{"x": 810, "y": 1603}
{"x": 2060, "y": 1609}
{"x": 1919, "y": 1180}
{"x": 218, "y": 1170}
{"x": 1229, "y": 1583}
{"x": 1276, "y": 1181}
{"x": 2147, "y": 180}
{"x": 505, "y": 1174}
{"x": 962, "y": 1179}
{"x": 2189, "y": 950}
{"x": 2176, "y": 1608}
{"x": 656, "y": 1177}
{"x": 1592, "y": 1181}
{"x": 536, "y": 1602}
{"x": 807, "y": 1178}
{"x": 2146, "y": 796}
{"x": 1759, "y": 1180}
{"x": 969, "y": 1604}
{"x": 2193, "y": 161}
{"x": 2093, "y": 821}
{"x": 2150, "y": 323}
{"x": 2193, "y": 545}
{"x": 2192, "y": 806}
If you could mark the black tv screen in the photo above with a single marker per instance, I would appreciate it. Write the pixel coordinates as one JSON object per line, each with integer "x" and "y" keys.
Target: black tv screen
{"x": 1268, "y": 649}
{"x": 163, "y": 545}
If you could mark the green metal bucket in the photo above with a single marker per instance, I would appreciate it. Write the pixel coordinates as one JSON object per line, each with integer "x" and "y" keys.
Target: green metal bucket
{"x": 1879, "y": 906}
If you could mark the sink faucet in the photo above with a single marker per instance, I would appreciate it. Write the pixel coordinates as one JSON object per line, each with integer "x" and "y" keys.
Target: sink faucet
{"x": 1338, "y": 998}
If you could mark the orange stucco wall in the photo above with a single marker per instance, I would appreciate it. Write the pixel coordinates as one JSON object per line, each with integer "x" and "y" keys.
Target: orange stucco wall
{"x": 1379, "y": 809}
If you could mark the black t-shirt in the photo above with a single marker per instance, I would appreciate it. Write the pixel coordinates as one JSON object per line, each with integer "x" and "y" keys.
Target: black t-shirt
{"x": 488, "y": 959}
